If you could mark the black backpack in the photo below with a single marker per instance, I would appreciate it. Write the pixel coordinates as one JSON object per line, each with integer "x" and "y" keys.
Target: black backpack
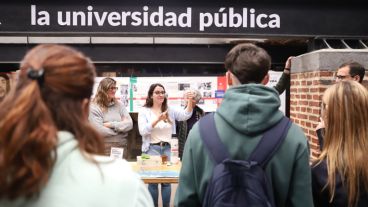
{"x": 240, "y": 182}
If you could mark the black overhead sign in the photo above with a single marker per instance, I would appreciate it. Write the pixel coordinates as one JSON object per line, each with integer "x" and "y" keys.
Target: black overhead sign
{"x": 196, "y": 17}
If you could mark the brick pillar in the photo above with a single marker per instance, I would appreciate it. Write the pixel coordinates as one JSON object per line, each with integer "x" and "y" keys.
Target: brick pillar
{"x": 312, "y": 74}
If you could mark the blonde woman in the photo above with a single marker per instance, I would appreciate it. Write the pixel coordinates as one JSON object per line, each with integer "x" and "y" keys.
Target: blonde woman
{"x": 340, "y": 175}
{"x": 110, "y": 117}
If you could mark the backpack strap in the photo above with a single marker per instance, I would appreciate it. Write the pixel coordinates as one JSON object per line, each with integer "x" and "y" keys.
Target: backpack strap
{"x": 211, "y": 139}
{"x": 270, "y": 142}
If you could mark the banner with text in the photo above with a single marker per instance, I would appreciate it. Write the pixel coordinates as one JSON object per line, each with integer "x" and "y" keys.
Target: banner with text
{"x": 184, "y": 17}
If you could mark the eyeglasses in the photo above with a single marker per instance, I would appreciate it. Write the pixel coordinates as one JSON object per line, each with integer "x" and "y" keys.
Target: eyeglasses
{"x": 113, "y": 88}
{"x": 159, "y": 92}
{"x": 342, "y": 77}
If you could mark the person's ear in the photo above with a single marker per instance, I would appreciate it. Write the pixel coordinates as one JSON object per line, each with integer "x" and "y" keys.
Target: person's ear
{"x": 229, "y": 80}
{"x": 265, "y": 79}
{"x": 356, "y": 78}
{"x": 85, "y": 108}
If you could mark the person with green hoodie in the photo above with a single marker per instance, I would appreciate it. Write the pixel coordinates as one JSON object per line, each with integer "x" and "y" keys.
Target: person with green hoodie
{"x": 248, "y": 110}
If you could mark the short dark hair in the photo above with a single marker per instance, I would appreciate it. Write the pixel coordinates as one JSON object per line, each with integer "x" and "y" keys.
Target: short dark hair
{"x": 248, "y": 62}
{"x": 355, "y": 69}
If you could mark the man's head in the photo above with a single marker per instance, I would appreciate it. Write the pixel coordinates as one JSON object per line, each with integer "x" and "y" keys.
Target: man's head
{"x": 247, "y": 63}
{"x": 350, "y": 71}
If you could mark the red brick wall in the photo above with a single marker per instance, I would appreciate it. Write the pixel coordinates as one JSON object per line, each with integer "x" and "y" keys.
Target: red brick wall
{"x": 306, "y": 91}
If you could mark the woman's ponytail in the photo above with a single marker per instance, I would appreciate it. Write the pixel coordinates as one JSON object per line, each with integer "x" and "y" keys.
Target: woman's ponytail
{"x": 27, "y": 140}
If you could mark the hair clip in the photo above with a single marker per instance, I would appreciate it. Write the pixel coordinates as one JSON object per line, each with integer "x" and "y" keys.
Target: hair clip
{"x": 38, "y": 75}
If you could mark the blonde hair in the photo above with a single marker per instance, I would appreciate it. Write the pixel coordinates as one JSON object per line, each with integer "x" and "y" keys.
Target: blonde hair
{"x": 346, "y": 138}
{"x": 102, "y": 98}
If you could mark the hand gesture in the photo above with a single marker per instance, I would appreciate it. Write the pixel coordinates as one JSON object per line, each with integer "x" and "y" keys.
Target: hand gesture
{"x": 288, "y": 62}
{"x": 320, "y": 124}
{"x": 189, "y": 95}
{"x": 163, "y": 116}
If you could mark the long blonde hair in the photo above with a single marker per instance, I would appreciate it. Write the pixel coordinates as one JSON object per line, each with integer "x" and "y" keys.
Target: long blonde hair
{"x": 346, "y": 138}
{"x": 102, "y": 98}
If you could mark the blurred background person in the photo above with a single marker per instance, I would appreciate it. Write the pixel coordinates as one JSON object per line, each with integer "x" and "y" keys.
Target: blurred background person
{"x": 348, "y": 71}
{"x": 4, "y": 85}
{"x": 340, "y": 175}
{"x": 110, "y": 117}
{"x": 156, "y": 123}
{"x": 47, "y": 145}
{"x": 183, "y": 127}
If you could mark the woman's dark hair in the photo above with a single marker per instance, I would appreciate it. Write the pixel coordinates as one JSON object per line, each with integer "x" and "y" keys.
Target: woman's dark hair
{"x": 54, "y": 82}
{"x": 149, "y": 100}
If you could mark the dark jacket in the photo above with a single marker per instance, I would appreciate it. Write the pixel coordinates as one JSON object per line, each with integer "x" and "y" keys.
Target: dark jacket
{"x": 183, "y": 128}
{"x": 321, "y": 195}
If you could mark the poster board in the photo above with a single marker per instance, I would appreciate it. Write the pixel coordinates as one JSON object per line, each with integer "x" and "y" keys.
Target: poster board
{"x": 132, "y": 91}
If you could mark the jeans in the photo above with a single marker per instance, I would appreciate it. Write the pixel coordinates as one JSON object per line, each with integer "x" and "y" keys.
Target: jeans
{"x": 165, "y": 187}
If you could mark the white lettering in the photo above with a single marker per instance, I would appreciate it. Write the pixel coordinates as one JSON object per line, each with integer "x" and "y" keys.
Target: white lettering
{"x": 82, "y": 18}
{"x": 136, "y": 18}
{"x": 124, "y": 16}
{"x": 114, "y": 19}
{"x": 235, "y": 19}
{"x": 159, "y": 15}
{"x": 171, "y": 19}
{"x": 252, "y": 17}
{"x": 223, "y": 18}
{"x": 275, "y": 22}
{"x": 100, "y": 20}
{"x": 89, "y": 15}
{"x": 45, "y": 19}
{"x": 42, "y": 19}
{"x": 205, "y": 20}
{"x": 33, "y": 14}
{"x": 245, "y": 17}
{"x": 60, "y": 18}
{"x": 259, "y": 21}
{"x": 145, "y": 16}
{"x": 185, "y": 19}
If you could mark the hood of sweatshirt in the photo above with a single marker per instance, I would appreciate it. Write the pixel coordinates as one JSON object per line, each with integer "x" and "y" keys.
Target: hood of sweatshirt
{"x": 250, "y": 108}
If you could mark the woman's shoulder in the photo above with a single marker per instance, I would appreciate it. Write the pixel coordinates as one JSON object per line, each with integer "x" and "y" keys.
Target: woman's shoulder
{"x": 118, "y": 103}
{"x": 319, "y": 173}
{"x": 172, "y": 109}
{"x": 319, "y": 165}
{"x": 144, "y": 109}
{"x": 112, "y": 170}
{"x": 93, "y": 106}
{"x": 113, "y": 166}
{"x": 83, "y": 171}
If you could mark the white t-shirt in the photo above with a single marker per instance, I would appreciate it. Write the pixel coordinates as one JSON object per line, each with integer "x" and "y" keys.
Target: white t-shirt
{"x": 161, "y": 132}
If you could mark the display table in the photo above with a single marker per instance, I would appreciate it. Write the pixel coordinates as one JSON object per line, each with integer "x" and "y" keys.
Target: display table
{"x": 158, "y": 174}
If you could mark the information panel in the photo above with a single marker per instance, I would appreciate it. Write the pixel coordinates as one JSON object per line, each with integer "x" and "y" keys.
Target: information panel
{"x": 132, "y": 92}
